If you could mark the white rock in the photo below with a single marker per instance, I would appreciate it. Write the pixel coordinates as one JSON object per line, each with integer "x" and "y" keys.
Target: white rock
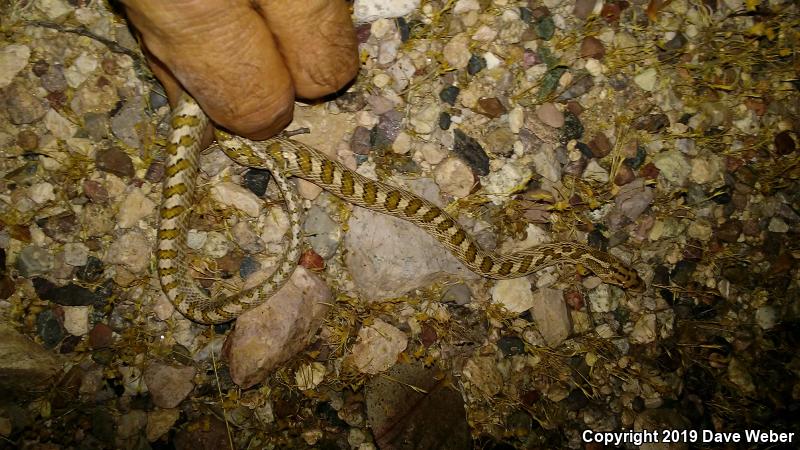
{"x": 41, "y": 193}
{"x": 456, "y": 52}
{"x": 516, "y": 119}
{"x": 777, "y": 225}
{"x": 485, "y": 33}
{"x": 546, "y": 164}
{"x": 216, "y": 245}
{"x": 432, "y": 153}
{"x": 550, "y": 115}
{"x": 766, "y": 317}
{"x": 59, "y": 125}
{"x": 76, "y": 319}
{"x": 83, "y": 66}
{"x": 602, "y": 300}
{"x": 53, "y": 9}
{"x": 163, "y": 308}
{"x": 454, "y": 177}
{"x": 492, "y": 61}
{"x": 550, "y": 313}
{"x": 646, "y": 79}
{"x": 644, "y": 330}
{"x": 246, "y": 237}
{"x": 13, "y": 58}
{"x": 673, "y": 166}
{"x": 132, "y": 251}
{"x": 275, "y": 226}
{"x": 133, "y": 208}
{"x": 76, "y": 254}
{"x": 702, "y": 171}
{"x": 500, "y": 184}
{"x": 425, "y": 121}
{"x": 377, "y": 347}
{"x": 371, "y": 10}
{"x": 309, "y": 376}
{"x": 514, "y": 294}
{"x": 594, "y": 67}
{"x": 463, "y": 6}
{"x": 700, "y": 230}
{"x": 402, "y": 144}
{"x": 231, "y": 194}
{"x": 195, "y": 239}
{"x": 594, "y": 171}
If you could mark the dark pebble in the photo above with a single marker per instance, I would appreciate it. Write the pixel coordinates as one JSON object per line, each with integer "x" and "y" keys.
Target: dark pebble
{"x": 722, "y": 195}
{"x": 583, "y": 8}
{"x": 600, "y": 145}
{"x": 157, "y": 99}
{"x": 729, "y": 231}
{"x": 576, "y": 400}
{"x": 27, "y": 140}
{"x": 572, "y": 129}
{"x": 351, "y": 102}
{"x": 597, "y": 240}
{"x": 155, "y": 172}
{"x": 256, "y": 180}
{"x": 363, "y": 32}
{"x": 7, "y": 287}
{"x": 100, "y": 336}
{"x": 491, "y": 107}
{"x": 682, "y": 273}
{"x": 693, "y": 251}
{"x": 591, "y": 47}
{"x": 389, "y": 125}
{"x": 624, "y": 175}
{"x": 476, "y": 64}
{"x": 585, "y": 150}
{"x": 49, "y": 328}
{"x": 96, "y": 125}
{"x": 403, "y": 28}
{"x": 444, "y": 120}
{"x": 652, "y": 123}
{"x": 636, "y": 161}
{"x": 361, "y": 141}
{"x": 40, "y": 67}
{"x": 618, "y": 81}
{"x": 69, "y": 295}
{"x": 784, "y": 143}
{"x": 92, "y": 271}
{"x": 103, "y": 356}
{"x": 676, "y": 43}
{"x": 248, "y": 266}
{"x": 611, "y": 12}
{"x": 574, "y": 299}
{"x": 545, "y": 28}
{"x": 661, "y": 275}
{"x": 69, "y": 344}
{"x": 738, "y": 275}
{"x": 471, "y": 152}
{"x": 115, "y": 161}
{"x": 449, "y": 95}
{"x": 649, "y": 171}
{"x": 525, "y": 14}
{"x": 53, "y": 80}
{"x": 511, "y": 345}
{"x": 578, "y": 88}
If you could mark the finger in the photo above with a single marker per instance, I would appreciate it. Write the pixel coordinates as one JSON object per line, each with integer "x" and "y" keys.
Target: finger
{"x": 223, "y": 55}
{"x": 317, "y": 41}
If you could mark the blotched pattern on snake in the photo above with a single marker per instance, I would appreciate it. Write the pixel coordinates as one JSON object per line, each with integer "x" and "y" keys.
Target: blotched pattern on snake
{"x": 285, "y": 157}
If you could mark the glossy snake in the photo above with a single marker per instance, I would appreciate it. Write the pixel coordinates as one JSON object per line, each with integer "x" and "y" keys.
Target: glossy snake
{"x": 284, "y": 157}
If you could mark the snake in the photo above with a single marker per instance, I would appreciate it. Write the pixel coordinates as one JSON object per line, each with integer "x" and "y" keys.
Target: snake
{"x": 285, "y": 157}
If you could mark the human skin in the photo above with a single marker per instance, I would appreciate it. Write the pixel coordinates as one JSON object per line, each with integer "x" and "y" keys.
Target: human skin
{"x": 245, "y": 62}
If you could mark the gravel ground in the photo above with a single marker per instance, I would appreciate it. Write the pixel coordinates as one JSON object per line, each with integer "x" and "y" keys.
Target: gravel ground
{"x": 663, "y": 132}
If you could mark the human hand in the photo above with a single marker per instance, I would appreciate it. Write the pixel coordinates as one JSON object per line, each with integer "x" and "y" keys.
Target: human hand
{"x": 246, "y": 61}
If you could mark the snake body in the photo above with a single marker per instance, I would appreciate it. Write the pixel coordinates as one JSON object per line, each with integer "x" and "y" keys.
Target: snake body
{"x": 286, "y": 157}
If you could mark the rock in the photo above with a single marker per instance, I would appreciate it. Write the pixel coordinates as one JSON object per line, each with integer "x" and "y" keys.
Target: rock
{"x": 583, "y": 8}
{"x": 132, "y": 251}
{"x": 646, "y": 79}
{"x": 482, "y": 374}
{"x": 595, "y": 172}
{"x": 550, "y": 115}
{"x": 100, "y": 336}
{"x": 246, "y": 238}
{"x": 257, "y": 180}
{"x": 673, "y": 166}
{"x": 456, "y": 51}
{"x": 366, "y": 11}
{"x": 76, "y": 319}
{"x": 476, "y": 64}
{"x": 784, "y": 142}
{"x": 275, "y": 331}
{"x": 644, "y": 330}
{"x": 449, "y": 94}
{"x": 115, "y": 161}
{"x": 41, "y": 193}
{"x": 130, "y": 423}
{"x": 133, "y": 208}
{"x": 27, "y": 140}
{"x": 76, "y": 254}
{"x": 377, "y": 348}
{"x": 216, "y": 245}
{"x": 34, "y": 260}
{"x": 388, "y": 256}
{"x": 600, "y": 146}
{"x": 13, "y": 58}
{"x": 591, "y": 47}
{"x": 491, "y": 107}
{"x": 389, "y": 125}
{"x": 126, "y": 123}
{"x": 360, "y": 142}
{"x": 634, "y": 198}
{"x": 424, "y": 120}
{"x": 778, "y": 225}
{"x": 546, "y": 164}
{"x": 25, "y": 367}
{"x": 23, "y": 107}
{"x": 168, "y": 384}
{"x": 48, "y": 327}
{"x": 471, "y": 152}
{"x": 514, "y": 295}
{"x": 454, "y": 177}
{"x": 68, "y": 295}
{"x": 602, "y": 299}
{"x": 231, "y": 194}
{"x": 322, "y": 232}
{"x": 459, "y": 294}
{"x": 624, "y": 175}
{"x": 205, "y": 433}
{"x": 550, "y": 313}
{"x": 739, "y": 375}
{"x": 159, "y": 422}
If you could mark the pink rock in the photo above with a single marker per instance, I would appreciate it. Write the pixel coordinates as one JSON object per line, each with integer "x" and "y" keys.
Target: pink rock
{"x": 275, "y": 331}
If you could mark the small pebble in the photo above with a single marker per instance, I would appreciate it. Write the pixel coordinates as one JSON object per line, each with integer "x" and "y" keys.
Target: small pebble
{"x": 550, "y": 115}
{"x": 476, "y": 64}
{"x": 257, "y": 180}
{"x": 449, "y": 95}
{"x": 591, "y": 47}
{"x": 114, "y": 160}
{"x": 491, "y": 107}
